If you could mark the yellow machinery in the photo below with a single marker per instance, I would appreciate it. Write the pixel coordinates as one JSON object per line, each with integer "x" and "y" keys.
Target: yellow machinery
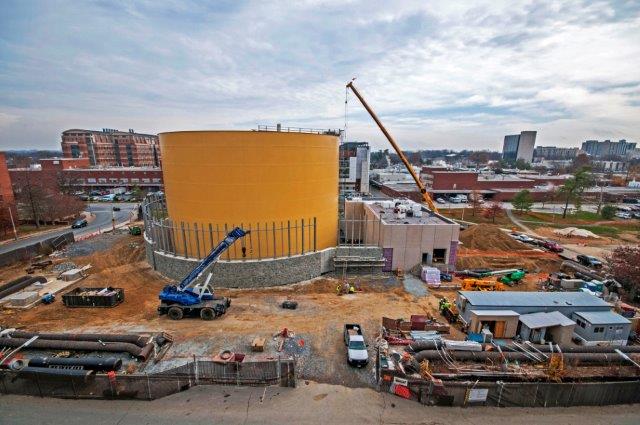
{"x": 261, "y": 180}
{"x": 423, "y": 190}
{"x": 482, "y": 285}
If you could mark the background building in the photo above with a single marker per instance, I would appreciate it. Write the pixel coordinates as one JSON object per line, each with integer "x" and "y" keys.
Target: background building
{"x": 6, "y": 191}
{"x": 519, "y": 146}
{"x": 607, "y": 148}
{"x": 554, "y": 153}
{"x": 354, "y": 167}
{"x": 112, "y": 147}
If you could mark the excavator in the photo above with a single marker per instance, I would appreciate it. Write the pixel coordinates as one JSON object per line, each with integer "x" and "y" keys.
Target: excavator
{"x": 190, "y": 299}
{"x": 423, "y": 190}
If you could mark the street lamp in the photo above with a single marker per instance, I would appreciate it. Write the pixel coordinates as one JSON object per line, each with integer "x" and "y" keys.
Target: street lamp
{"x": 15, "y": 232}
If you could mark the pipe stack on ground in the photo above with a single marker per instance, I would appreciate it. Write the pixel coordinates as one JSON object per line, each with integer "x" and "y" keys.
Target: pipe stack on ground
{"x": 482, "y": 356}
{"x": 135, "y": 345}
{"x": 19, "y": 283}
{"x": 87, "y": 363}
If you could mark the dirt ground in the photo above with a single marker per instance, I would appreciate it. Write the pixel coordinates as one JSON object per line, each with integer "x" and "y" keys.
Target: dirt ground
{"x": 317, "y": 321}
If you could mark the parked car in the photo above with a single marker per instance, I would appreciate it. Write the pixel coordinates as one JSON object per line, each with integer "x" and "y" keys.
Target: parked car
{"x": 624, "y": 215}
{"x": 79, "y": 223}
{"x": 589, "y": 261}
{"x": 524, "y": 238}
{"x": 357, "y": 354}
{"x": 440, "y": 201}
{"x": 552, "y": 246}
{"x": 445, "y": 277}
{"x": 116, "y": 208}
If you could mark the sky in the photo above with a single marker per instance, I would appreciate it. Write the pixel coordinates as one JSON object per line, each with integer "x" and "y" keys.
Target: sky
{"x": 440, "y": 74}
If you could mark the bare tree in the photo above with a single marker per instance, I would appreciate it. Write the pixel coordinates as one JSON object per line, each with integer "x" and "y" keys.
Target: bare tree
{"x": 624, "y": 265}
{"x": 492, "y": 211}
{"x": 476, "y": 201}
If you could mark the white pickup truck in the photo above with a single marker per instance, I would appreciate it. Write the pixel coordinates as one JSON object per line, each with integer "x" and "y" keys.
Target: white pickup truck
{"x": 357, "y": 354}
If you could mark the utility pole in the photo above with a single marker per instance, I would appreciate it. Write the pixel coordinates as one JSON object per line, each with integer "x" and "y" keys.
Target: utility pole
{"x": 113, "y": 219}
{"x": 600, "y": 200}
{"x": 15, "y": 233}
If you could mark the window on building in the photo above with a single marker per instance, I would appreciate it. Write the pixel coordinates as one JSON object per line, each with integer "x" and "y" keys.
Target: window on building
{"x": 439, "y": 255}
{"x": 124, "y": 180}
{"x": 156, "y": 180}
{"x": 598, "y": 329}
{"x": 91, "y": 180}
{"x": 135, "y": 180}
{"x": 146, "y": 181}
{"x": 102, "y": 180}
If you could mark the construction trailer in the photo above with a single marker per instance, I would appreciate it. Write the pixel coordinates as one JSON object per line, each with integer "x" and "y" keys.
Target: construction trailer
{"x": 537, "y": 316}
{"x": 542, "y": 327}
{"x": 601, "y": 327}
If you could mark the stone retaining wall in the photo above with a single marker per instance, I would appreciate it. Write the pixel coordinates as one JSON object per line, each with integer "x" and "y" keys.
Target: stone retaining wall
{"x": 253, "y": 273}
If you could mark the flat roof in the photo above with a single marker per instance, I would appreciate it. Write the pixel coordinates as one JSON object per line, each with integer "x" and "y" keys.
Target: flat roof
{"x": 532, "y": 299}
{"x": 602, "y": 317}
{"x": 388, "y": 217}
{"x": 545, "y": 320}
{"x": 495, "y": 313}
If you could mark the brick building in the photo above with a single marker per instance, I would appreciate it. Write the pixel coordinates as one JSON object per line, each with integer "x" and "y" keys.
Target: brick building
{"x": 112, "y": 148}
{"x": 6, "y": 190}
{"x": 71, "y": 173}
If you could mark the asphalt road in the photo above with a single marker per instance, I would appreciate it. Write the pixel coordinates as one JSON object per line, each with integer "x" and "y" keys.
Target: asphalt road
{"x": 307, "y": 404}
{"x": 102, "y": 212}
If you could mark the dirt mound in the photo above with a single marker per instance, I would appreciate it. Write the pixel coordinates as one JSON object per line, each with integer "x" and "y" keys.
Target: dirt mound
{"x": 543, "y": 264}
{"x": 489, "y": 237}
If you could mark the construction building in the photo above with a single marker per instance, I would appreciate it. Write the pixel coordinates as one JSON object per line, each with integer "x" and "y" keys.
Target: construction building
{"x": 354, "y": 168}
{"x": 112, "y": 148}
{"x": 536, "y": 316}
{"x": 519, "y": 146}
{"x": 279, "y": 184}
{"x": 408, "y": 233}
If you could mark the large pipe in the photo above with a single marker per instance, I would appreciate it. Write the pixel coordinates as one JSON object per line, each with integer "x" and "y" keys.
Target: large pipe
{"x": 417, "y": 346}
{"x": 87, "y": 363}
{"x": 13, "y": 282}
{"x": 21, "y": 285}
{"x": 578, "y": 349}
{"x": 138, "y": 340}
{"x": 482, "y": 356}
{"x": 45, "y": 372}
{"x": 113, "y": 347}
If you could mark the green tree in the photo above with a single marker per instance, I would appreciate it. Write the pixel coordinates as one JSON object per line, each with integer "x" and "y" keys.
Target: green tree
{"x": 521, "y": 164}
{"x": 522, "y": 201}
{"x": 574, "y": 187}
{"x": 608, "y": 212}
{"x": 136, "y": 192}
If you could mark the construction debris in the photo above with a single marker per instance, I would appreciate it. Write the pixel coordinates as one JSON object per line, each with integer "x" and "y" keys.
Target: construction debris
{"x": 577, "y": 232}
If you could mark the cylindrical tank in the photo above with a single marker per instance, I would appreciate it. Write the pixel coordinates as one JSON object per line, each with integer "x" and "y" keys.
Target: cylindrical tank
{"x": 274, "y": 180}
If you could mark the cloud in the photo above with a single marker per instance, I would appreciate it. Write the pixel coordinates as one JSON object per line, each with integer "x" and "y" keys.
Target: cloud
{"x": 439, "y": 73}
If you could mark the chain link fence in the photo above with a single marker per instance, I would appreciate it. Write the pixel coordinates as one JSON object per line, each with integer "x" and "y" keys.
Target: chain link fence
{"x": 151, "y": 386}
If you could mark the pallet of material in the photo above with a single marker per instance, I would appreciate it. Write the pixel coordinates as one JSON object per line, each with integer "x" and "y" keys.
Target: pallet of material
{"x": 93, "y": 297}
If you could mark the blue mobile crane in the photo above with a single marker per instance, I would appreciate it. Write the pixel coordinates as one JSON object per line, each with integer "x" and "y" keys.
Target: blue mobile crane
{"x": 188, "y": 299}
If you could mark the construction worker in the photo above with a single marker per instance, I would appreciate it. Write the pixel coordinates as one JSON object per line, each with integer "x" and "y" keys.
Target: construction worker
{"x": 352, "y": 289}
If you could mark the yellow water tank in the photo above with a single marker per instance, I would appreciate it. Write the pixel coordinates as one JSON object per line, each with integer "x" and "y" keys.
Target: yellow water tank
{"x": 283, "y": 186}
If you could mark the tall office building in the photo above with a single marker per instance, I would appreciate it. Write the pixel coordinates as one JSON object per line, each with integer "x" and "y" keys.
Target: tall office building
{"x": 354, "y": 167}
{"x": 519, "y": 146}
{"x": 607, "y": 148}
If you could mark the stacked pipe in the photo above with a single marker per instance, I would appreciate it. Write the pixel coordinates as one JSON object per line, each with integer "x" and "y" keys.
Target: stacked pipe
{"x": 137, "y": 346}
{"x": 482, "y": 356}
{"x": 19, "y": 283}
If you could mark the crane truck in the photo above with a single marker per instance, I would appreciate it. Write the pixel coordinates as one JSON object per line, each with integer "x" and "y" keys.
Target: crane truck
{"x": 191, "y": 299}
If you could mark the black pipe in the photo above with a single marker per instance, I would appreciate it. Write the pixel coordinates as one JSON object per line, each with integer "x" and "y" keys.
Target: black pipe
{"x": 21, "y": 285}
{"x": 87, "y": 363}
{"x": 45, "y": 372}
{"x": 138, "y": 340}
{"x": 141, "y": 353}
{"x": 13, "y": 282}
{"x": 482, "y": 356}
